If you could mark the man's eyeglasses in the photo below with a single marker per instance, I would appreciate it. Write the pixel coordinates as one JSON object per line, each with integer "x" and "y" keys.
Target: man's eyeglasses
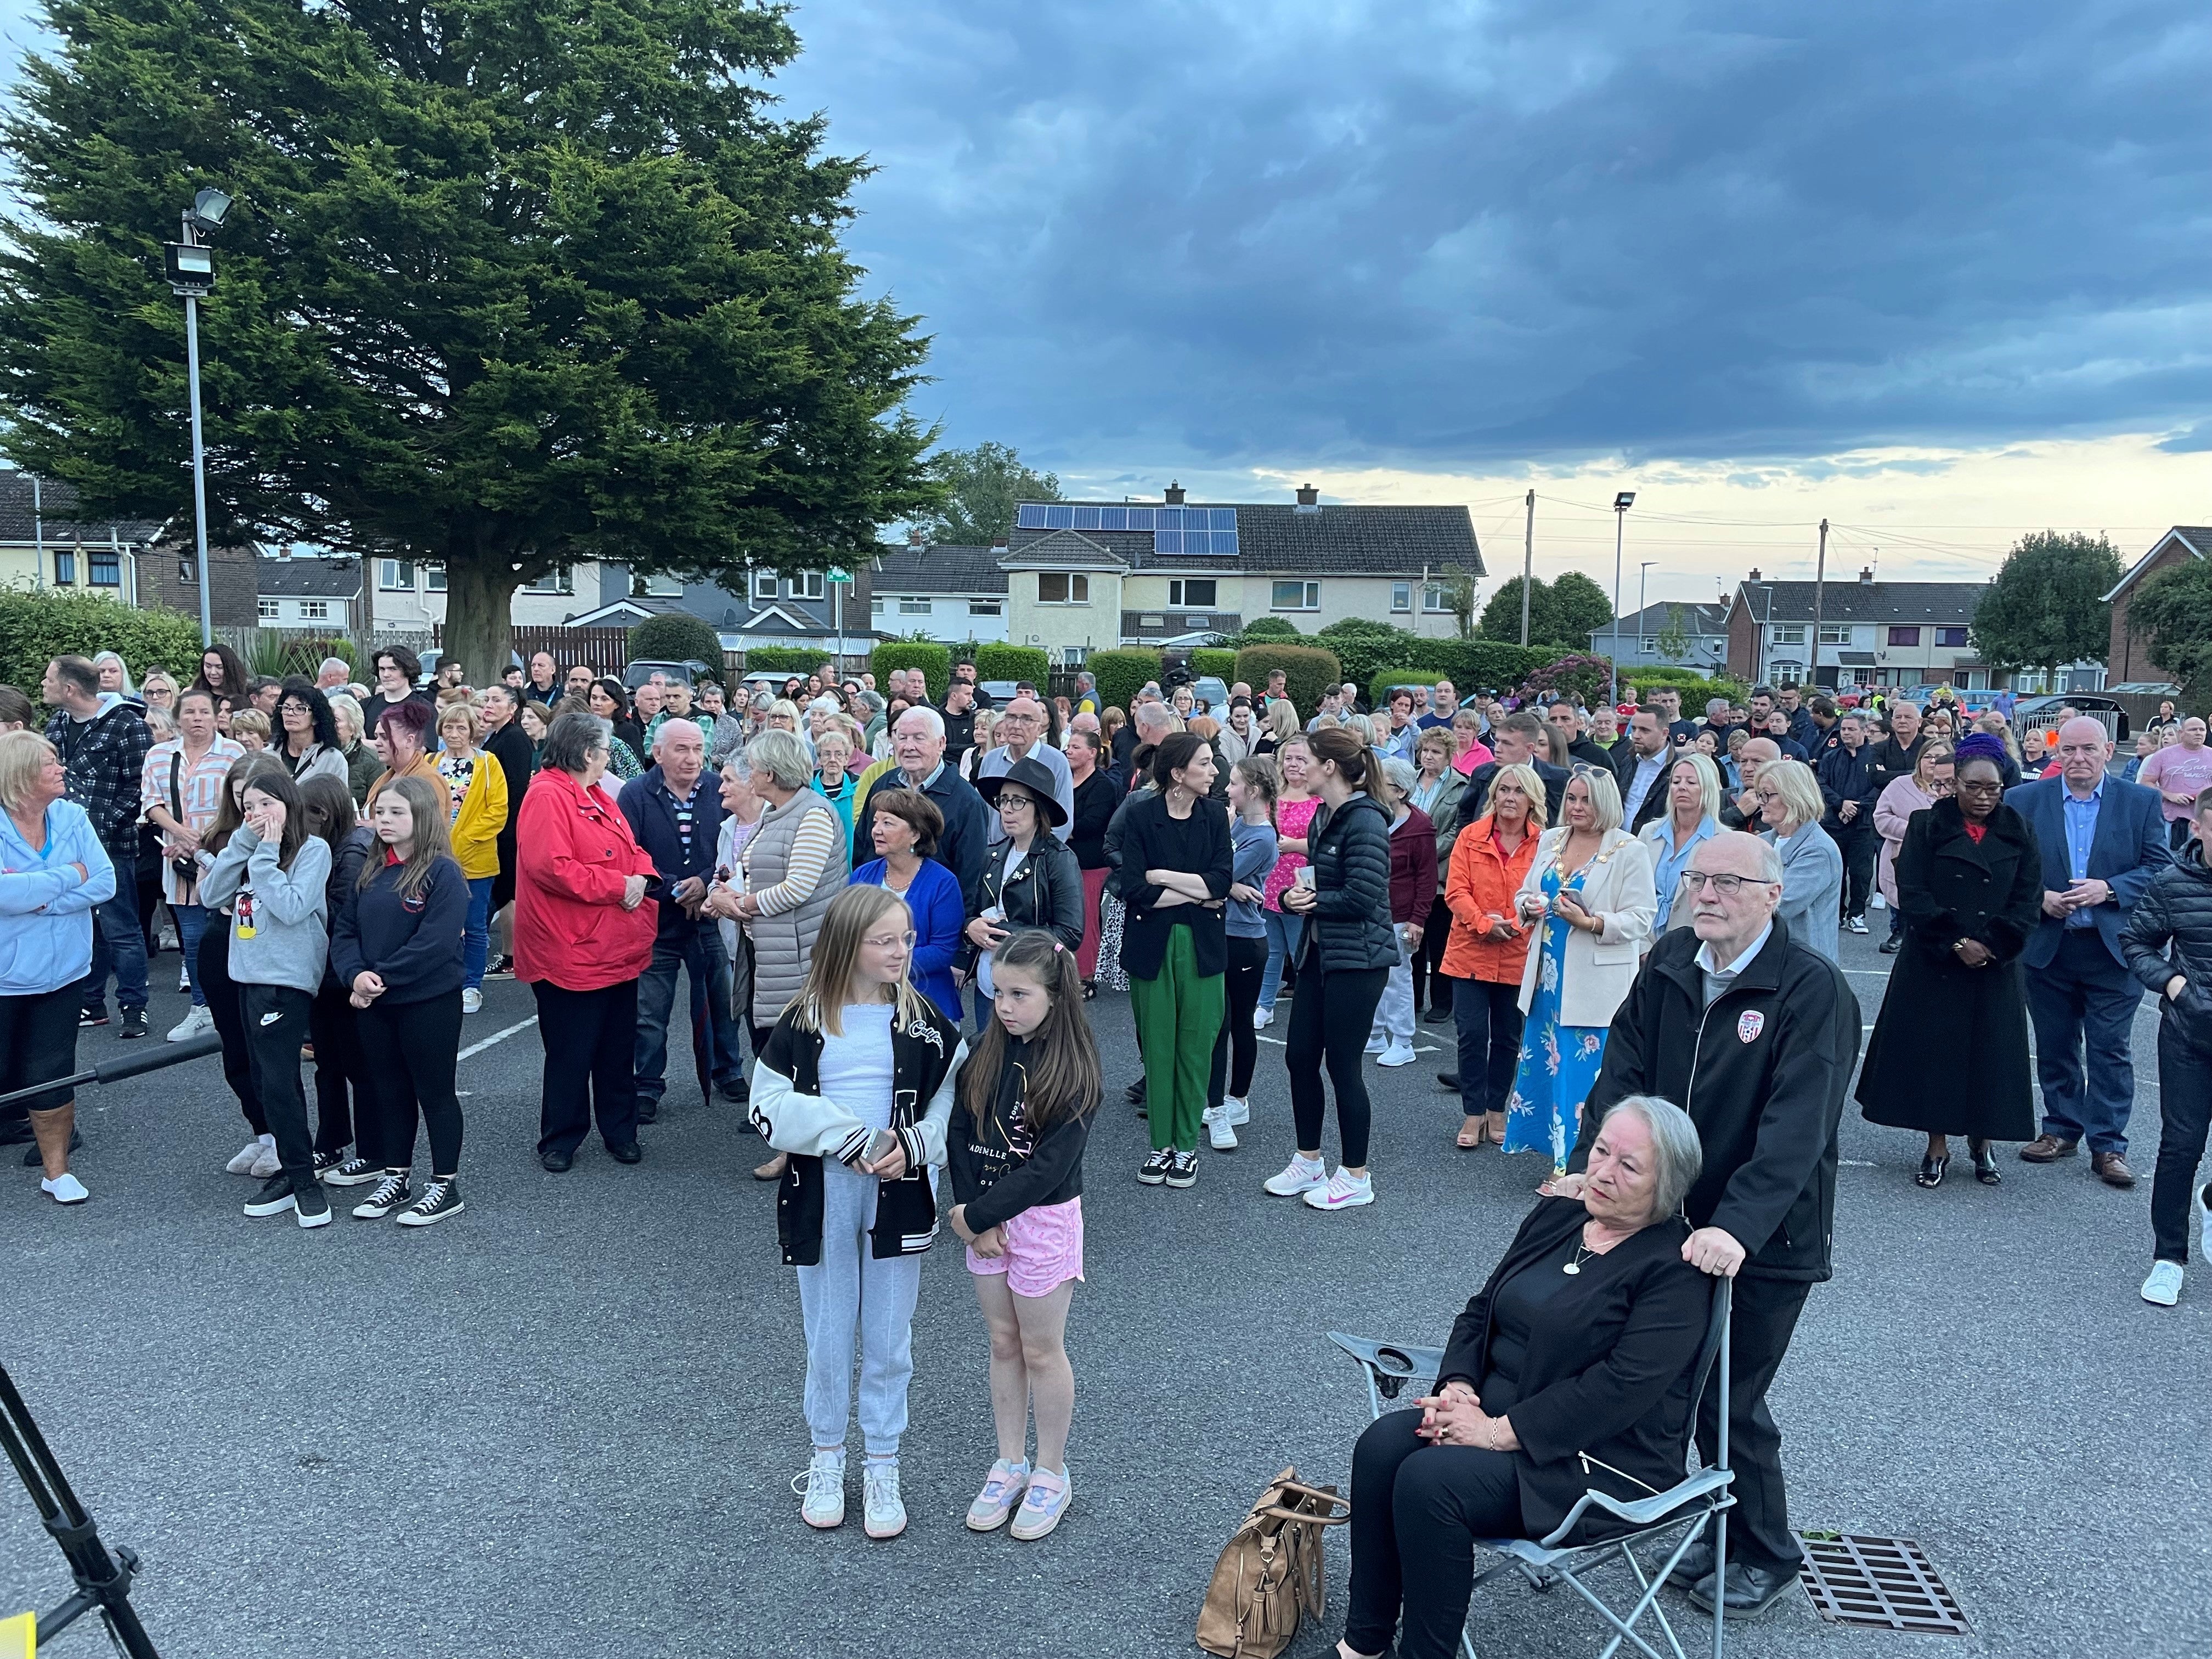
{"x": 1728, "y": 886}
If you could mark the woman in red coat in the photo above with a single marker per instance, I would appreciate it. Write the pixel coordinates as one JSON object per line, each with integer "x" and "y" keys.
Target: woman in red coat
{"x": 583, "y": 932}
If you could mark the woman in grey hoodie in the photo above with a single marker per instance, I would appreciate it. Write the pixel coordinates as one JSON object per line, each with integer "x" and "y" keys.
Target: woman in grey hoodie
{"x": 272, "y": 875}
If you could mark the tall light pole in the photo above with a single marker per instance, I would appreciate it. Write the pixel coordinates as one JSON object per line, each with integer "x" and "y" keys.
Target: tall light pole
{"x": 1642, "y": 588}
{"x": 1622, "y": 503}
{"x": 1527, "y": 565}
{"x": 191, "y": 276}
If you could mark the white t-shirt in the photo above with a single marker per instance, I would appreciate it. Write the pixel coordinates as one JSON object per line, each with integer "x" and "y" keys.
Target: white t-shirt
{"x": 856, "y": 1067}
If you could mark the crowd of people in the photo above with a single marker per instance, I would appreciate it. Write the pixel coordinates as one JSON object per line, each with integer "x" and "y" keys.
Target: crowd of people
{"x": 889, "y": 909}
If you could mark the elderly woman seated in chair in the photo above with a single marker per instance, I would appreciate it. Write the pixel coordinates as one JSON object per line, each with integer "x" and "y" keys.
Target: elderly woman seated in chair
{"x": 1569, "y": 1370}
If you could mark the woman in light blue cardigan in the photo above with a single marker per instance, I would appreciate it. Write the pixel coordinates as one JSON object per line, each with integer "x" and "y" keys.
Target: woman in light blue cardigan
{"x": 1790, "y": 806}
{"x": 52, "y": 871}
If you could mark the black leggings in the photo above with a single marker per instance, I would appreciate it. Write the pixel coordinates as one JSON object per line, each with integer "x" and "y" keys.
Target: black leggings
{"x": 1237, "y": 1050}
{"x": 1416, "y": 1511}
{"x": 1489, "y": 1018}
{"x": 1330, "y": 1018}
{"x": 416, "y": 1045}
{"x": 276, "y": 1024}
{"x": 211, "y": 974}
{"x": 341, "y": 1071}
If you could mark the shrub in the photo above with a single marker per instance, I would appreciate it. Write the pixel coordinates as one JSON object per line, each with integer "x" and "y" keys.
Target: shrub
{"x": 785, "y": 658}
{"x": 677, "y": 636}
{"x": 1363, "y": 646}
{"x": 1308, "y": 670}
{"x": 1694, "y": 687}
{"x": 1271, "y": 628}
{"x": 1222, "y": 663}
{"x": 935, "y": 662}
{"x": 1587, "y": 677}
{"x": 1121, "y": 673}
{"x": 1013, "y": 662}
{"x": 1469, "y": 664}
{"x": 38, "y": 625}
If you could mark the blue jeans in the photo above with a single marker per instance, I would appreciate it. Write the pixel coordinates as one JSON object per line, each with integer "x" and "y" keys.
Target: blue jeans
{"x": 192, "y": 922}
{"x": 697, "y": 947}
{"x": 117, "y": 945}
{"x": 1285, "y": 933}
{"x": 2083, "y": 1006}
{"x": 476, "y": 932}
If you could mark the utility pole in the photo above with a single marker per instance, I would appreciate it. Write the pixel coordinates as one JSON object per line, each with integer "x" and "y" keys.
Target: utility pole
{"x": 1527, "y": 565}
{"x": 1820, "y": 597}
{"x": 1643, "y": 602}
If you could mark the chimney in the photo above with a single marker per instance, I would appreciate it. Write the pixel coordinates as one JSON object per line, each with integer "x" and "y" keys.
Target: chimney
{"x": 1174, "y": 494}
{"x": 1755, "y": 572}
{"x": 1866, "y": 573}
{"x": 914, "y": 539}
{"x": 998, "y": 542}
{"x": 1309, "y": 498}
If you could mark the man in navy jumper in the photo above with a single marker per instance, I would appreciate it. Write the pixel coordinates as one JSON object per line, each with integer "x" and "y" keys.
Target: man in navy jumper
{"x": 675, "y": 810}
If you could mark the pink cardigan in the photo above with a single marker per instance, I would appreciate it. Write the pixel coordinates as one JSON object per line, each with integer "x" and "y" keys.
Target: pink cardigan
{"x": 1899, "y": 801}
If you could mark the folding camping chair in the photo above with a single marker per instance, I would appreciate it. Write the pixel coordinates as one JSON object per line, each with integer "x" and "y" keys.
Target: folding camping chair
{"x": 1691, "y": 1504}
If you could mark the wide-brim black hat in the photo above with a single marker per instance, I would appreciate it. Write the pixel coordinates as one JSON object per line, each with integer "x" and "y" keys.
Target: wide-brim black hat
{"x": 1032, "y": 776}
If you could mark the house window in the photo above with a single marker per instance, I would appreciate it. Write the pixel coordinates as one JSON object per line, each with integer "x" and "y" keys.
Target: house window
{"x": 314, "y": 611}
{"x": 1835, "y": 633}
{"x": 1905, "y": 636}
{"x": 875, "y": 604}
{"x": 806, "y": 584}
{"x": 1198, "y": 595}
{"x": 1790, "y": 633}
{"x": 655, "y": 587}
{"x": 396, "y": 575}
{"x": 914, "y": 607}
{"x": 1786, "y": 673}
{"x": 65, "y": 568}
{"x": 107, "y": 569}
{"x": 1074, "y": 656}
{"x": 985, "y": 608}
{"x": 1952, "y": 636}
{"x": 1647, "y": 647}
{"x": 763, "y": 584}
{"x": 1401, "y": 596}
{"x": 188, "y": 571}
{"x": 1434, "y": 598}
{"x": 433, "y": 577}
{"x": 1062, "y": 588}
{"x": 268, "y": 610}
{"x": 1297, "y": 596}
{"x": 560, "y": 581}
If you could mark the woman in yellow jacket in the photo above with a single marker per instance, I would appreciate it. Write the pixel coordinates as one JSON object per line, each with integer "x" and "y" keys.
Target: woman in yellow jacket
{"x": 477, "y": 789}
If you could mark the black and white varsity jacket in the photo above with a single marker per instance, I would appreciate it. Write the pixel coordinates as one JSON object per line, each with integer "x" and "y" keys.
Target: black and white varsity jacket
{"x": 793, "y": 1117}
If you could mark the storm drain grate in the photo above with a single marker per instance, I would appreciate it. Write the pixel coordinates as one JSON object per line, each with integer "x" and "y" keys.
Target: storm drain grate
{"x": 1879, "y": 1583}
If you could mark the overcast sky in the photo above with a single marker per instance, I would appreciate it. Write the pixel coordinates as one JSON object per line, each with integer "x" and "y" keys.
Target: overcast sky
{"x": 1936, "y": 271}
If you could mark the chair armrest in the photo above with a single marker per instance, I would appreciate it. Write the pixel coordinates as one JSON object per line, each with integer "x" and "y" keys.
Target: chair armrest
{"x": 1391, "y": 1365}
{"x": 1644, "y": 1511}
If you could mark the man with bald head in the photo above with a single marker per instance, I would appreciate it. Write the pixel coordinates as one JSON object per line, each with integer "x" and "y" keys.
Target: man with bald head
{"x": 1020, "y": 731}
{"x": 1742, "y": 813}
{"x": 1756, "y": 1036}
{"x": 2103, "y": 841}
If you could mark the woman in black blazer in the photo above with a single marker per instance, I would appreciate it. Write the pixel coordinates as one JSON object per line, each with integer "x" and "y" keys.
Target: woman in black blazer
{"x": 1044, "y": 888}
{"x": 1569, "y": 1372}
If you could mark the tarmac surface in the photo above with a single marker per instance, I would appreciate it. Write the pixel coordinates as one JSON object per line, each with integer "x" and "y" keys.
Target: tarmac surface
{"x": 564, "y": 1422}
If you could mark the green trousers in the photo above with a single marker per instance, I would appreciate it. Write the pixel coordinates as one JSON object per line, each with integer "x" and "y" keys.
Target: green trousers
{"x": 1178, "y": 1017}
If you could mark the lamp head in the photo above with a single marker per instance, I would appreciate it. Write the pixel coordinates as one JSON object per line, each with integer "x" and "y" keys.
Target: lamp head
{"x": 1624, "y": 501}
{"x": 208, "y": 209}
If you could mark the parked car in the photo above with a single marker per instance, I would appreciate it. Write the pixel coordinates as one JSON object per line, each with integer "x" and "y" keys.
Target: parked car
{"x": 433, "y": 656}
{"x": 691, "y": 670}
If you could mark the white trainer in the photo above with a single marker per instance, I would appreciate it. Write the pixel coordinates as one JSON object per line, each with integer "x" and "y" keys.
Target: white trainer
{"x": 1398, "y": 1053}
{"x": 882, "y": 1515}
{"x": 1239, "y": 1110}
{"x": 1300, "y": 1175}
{"x": 2204, "y": 1218}
{"x": 1343, "y": 1192}
{"x": 2163, "y": 1287}
{"x": 822, "y": 1486}
{"x": 195, "y": 1021}
{"x": 245, "y": 1159}
{"x": 1220, "y": 1132}
{"x": 64, "y": 1189}
{"x": 266, "y": 1163}
{"x": 1262, "y": 1019}
{"x": 1376, "y": 1045}
{"x": 472, "y": 1000}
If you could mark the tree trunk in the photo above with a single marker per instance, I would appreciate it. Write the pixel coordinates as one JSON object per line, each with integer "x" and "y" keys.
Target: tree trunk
{"x": 479, "y": 598}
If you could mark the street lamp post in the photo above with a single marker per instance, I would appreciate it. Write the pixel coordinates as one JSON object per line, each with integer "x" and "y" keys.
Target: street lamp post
{"x": 1622, "y": 503}
{"x": 191, "y": 276}
{"x": 1643, "y": 591}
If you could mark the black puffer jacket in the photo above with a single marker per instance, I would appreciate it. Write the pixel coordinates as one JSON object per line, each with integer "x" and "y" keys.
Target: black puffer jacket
{"x": 2169, "y": 932}
{"x": 1349, "y": 926}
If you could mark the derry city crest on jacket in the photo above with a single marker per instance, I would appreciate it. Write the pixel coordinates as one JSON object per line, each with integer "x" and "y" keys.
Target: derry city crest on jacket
{"x": 1749, "y": 1025}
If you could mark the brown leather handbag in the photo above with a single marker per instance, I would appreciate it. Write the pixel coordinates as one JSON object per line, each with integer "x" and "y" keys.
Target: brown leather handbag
{"x": 1270, "y": 1573}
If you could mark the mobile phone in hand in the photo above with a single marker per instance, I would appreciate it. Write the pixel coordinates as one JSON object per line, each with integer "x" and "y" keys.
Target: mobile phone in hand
{"x": 881, "y": 1147}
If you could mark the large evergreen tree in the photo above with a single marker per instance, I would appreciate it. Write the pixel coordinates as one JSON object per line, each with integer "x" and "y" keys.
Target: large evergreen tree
{"x": 507, "y": 286}
{"x": 2046, "y": 606}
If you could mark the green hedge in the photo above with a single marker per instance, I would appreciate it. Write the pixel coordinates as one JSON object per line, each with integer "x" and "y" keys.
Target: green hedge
{"x": 1270, "y": 627}
{"x": 1121, "y": 673}
{"x": 677, "y": 636}
{"x": 935, "y": 662}
{"x": 1013, "y": 662}
{"x": 38, "y": 625}
{"x": 1209, "y": 660}
{"x": 1469, "y": 664}
{"x": 1308, "y": 670}
{"x": 784, "y": 658}
{"x": 1694, "y": 687}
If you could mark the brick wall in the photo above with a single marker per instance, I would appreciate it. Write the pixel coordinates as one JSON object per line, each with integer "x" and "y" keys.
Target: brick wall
{"x": 2128, "y": 657}
{"x": 1742, "y": 642}
{"x": 167, "y": 576}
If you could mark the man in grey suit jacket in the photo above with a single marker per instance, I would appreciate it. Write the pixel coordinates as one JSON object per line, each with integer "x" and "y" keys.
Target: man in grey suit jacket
{"x": 2103, "y": 841}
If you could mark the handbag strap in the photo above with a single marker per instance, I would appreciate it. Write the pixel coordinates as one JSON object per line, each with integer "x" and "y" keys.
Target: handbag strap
{"x": 176, "y": 770}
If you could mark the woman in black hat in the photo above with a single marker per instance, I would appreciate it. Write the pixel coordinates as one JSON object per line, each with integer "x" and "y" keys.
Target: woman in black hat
{"x": 1030, "y": 879}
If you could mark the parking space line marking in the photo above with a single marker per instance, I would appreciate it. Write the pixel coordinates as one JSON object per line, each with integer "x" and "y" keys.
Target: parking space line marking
{"x": 495, "y": 1038}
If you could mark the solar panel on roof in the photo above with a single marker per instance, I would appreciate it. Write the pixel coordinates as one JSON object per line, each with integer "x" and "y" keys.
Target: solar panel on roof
{"x": 1060, "y": 517}
{"x": 1141, "y": 518}
{"x": 1030, "y": 516}
{"x": 1222, "y": 518}
{"x": 1086, "y": 518}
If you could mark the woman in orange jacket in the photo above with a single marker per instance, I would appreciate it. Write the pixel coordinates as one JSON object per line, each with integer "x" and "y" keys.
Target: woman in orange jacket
{"x": 1489, "y": 947}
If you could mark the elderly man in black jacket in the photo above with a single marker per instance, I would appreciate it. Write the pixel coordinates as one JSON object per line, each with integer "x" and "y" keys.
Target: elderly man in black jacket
{"x": 1755, "y": 1036}
{"x": 1850, "y": 785}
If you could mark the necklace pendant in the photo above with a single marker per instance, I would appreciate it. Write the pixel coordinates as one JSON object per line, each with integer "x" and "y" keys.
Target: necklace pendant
{"x": 1571, "y": 1268}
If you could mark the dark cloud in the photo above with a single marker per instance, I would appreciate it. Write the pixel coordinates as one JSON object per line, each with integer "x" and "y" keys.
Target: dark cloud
{"x": 1147, "y": 233}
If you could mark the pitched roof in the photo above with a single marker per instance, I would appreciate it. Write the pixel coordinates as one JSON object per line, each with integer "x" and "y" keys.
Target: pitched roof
{"x": 939, "y": 568}
{"x": 1951, "y": 604}
{"x": 307, "y": 578}
{"x": 1653, "y": 618}
{"x": 1063, "y": 550}
{"x": 1277, "y": 538}
{"x": 2196, "y": 538}
{"x": 58, "y": 509}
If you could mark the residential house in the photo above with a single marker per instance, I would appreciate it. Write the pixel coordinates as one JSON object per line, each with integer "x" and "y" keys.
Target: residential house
{"x": 955, "y": 595}
{"x": 410, "y": 596}
{"x": 807, "y": 608}
{"x": 1636, "y": 639}
{"x": 1085, "y": 575}
{"x": 2128, "y": 659}
{"x": 309, "y": 592}
{"x": 47, "y": 542}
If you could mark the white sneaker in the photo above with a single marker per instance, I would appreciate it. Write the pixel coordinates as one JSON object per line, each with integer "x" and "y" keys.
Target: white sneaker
{"x": 184, "y": 979}
{"x": 1376, "y": 1045}
{"x": 2163, "y": 1287}
{"x": 2204, "y": 1219}
{"x": 1300, "y": 1175}
{"x": 1262, "y": 1019}
{"x": 822, "y": 1486}
{"x": 195, "y": 1021}
{"x": 472, "y": 1000}
{"x": 266, "y": 1163}
{"x": 243, "y": 1161}
{"x": 1220, "y": 1133}
{"x": 64, "y": 1189}
{"x": 1237, "y": 1110}
{"x": 1398, "y": 1053}
{"x": 882, "y": 1513}
{"x": 1343, "y": 1192}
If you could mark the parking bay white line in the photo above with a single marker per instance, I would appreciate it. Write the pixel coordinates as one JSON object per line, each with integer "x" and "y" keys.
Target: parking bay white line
{"x": 495, "y": 1038}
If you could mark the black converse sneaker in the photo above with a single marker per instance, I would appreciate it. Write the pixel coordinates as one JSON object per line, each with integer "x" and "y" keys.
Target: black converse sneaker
{"x": 391, "y": 1191}
{"x": 274, "y": 1198}
{"x": 344, "y": 1171}
{"x": 1184, "y": 1173}
{"x": 1156, "y": 1166}
{"x": 440, "y": 1199}
{"x": 314, "y": 1209}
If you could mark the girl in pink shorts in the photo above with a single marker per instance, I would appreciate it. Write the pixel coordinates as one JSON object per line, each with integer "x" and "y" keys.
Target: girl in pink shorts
{"x": 1021, "y": 1115}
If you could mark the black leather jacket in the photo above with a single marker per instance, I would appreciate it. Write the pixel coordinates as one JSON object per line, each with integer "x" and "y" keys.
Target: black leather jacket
{"x": 2169, "y": 932}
